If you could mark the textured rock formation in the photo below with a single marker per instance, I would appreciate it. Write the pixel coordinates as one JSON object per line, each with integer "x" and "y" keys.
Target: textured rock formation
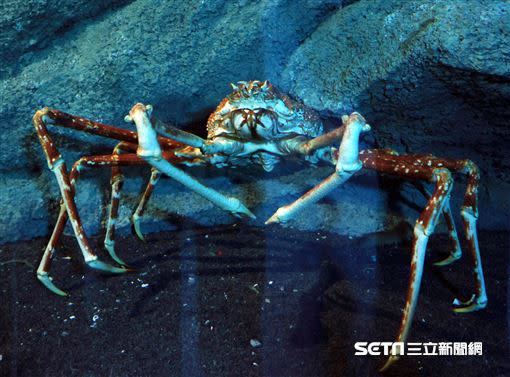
{"x": 431, "y": 76}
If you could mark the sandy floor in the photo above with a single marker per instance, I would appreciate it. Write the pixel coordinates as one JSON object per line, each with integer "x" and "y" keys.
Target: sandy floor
{"x": 200, "y": 295}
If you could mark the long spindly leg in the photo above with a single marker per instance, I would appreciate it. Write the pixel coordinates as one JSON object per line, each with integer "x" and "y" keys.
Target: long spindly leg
{"x": 57, "y": 165}
{"x": 347, "y": 164}
{"x": 411, "y": 167}
{"x": 142, "y": 205}
{"x": 116, "y": 181}
{"x": 469, "y": 213}
{"x": 67, "y": 192}
{"x": 44, "y": 265}
{"x": 150, "y": 150}
{"x": 91, "y": 260}
{"x": 455, "y": 252}
{"x": 422, "y": 230}
{"x": 455, "y": 249}
{"x": 114, "y": 160}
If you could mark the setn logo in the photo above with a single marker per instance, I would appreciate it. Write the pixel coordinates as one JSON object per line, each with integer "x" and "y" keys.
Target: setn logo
{"x": 375, "y": 348}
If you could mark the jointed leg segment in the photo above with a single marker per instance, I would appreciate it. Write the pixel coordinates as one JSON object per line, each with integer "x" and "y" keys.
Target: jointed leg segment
{"x": 65, "y": 182}
{"x": 150, "y": 150}
{"x": 438, "y": 170}
{"x": 116, "y": 181}
{"x": 142, "y": 205}
{"x": 347, "y": 164}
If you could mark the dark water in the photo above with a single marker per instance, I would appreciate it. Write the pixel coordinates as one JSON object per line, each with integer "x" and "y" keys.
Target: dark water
{"x": 202, "y": 299}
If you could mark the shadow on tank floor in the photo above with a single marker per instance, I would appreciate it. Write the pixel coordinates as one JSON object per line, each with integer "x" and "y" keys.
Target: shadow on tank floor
{"x": 202, "y": 299}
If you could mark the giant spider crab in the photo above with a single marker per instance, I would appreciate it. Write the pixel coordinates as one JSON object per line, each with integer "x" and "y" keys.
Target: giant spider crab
{"x": 259, "y": 125}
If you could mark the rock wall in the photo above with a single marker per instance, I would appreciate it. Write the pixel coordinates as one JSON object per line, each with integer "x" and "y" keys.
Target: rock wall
{"x": 430, "y": 76}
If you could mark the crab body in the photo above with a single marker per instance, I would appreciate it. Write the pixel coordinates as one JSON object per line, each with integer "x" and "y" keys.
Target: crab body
{"x": 263, "y": 121}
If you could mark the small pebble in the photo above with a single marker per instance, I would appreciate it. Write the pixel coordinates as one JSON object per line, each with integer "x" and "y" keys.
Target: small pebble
{"x": 255, "y": 343}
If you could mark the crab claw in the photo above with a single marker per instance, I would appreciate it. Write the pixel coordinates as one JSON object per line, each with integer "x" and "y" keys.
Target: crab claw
{"x": 102, "y": 266}
{"x": 280, "y": 216}
{"x": 391, "y": 360}
{"x": 239, "y": 210}
{"x": 109, "y": 246}
{"x": 46, "y": 280}
{"x": 445, "y": 262}
{"x": 136, "y": 225}
{"x": 468, "y": 306}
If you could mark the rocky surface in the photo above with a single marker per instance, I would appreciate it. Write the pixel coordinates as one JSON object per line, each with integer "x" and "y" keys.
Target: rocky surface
{"x": 431, "y": 76}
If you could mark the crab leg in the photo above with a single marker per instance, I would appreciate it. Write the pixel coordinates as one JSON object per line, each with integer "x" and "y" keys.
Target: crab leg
{"x": 116, "y": 181}
{"x": 58, "y": 166}
{"x": 43, "y": 270}
{"x": 45, "y": 264}
{"x": 59, "y": 118}
{"x": 140, "y": 209}
{"x": 115, "y": 161}
{"x": 100, "y": 161}
{"x": 403, "y": 166}
{"x": 469, "y": 214}
{"x": 150, "y": 150}
{"x": 324, "y": 140}
{"x": 455, "y": 251}
{"x": 176, "y": 134}
{"x": 347, "y": 164}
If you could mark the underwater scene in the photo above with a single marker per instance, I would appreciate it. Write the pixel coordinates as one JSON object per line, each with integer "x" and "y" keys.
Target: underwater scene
{"x": 276, "y": 188}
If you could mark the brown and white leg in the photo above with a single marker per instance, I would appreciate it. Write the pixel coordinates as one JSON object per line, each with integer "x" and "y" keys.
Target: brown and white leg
{"x": 412, "y": 167}
{"x": 150, "y": 150}
{"x": 116, "y": 181}
{"x": 347, "y": 164}
{"x": 115, "y": 161}
{"x": 455, "y": 251}
{"x": 423, "y": 229}
{"x": 43, "y": 270}
{"x": 44, "y": 265}
{"x": 56, "y": 164}
{"x": 469, "y": 213}
{"x": 142, "y": 205}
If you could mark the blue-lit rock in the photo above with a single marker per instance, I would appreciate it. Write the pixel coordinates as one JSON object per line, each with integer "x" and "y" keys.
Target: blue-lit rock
{"x": 430, "y": 76}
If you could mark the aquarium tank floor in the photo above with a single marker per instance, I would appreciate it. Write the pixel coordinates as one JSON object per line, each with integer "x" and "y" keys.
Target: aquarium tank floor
{"x": 245, "y": 301}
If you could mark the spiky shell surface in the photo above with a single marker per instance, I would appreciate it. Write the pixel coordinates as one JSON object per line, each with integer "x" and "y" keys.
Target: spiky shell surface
{"x": 280, "y": 115}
